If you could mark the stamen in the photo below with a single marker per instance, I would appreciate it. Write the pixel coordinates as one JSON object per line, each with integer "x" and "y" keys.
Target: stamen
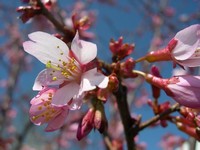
{"x": 49, "y": 65}
{"x": 54, "y": 78}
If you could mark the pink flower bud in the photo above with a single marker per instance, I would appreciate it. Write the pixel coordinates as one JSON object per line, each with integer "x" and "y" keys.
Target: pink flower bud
{"x": 184, "y": 89}
{"x": 192, "y": 131}
{"x": 113, "y": 83}
{"x": 100, "y": 121}
{"x": 127, "y": 67}
{"x": 86, "y": 124}
{"x": 120, "y": 50}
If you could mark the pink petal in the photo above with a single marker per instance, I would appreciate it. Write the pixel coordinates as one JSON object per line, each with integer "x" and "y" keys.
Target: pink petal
{"x": 77, "y": 102}
{"x": 42, "y": 96}
{"x": 192, "y": 32}
{"x": 35, "y": 111}
{"x": 186, "y": 91}
{"x": 188, "y": 41}
{"x": 183, "y": 51}
{"x": 189, "y": 98}
{"x": 91, "y": 79}
{"x": 84, "y": 51}
{"x": 45, "y": 77}
{"x": 58, "y": 121}
{"x": 65, "y": 94}
{"x": 189, "y": 80}
{"x": 190, "y": 62}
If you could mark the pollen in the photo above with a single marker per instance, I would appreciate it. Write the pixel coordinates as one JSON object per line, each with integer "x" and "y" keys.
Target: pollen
{"x": 40, "y": 108}
{"x": 54, "y": 78}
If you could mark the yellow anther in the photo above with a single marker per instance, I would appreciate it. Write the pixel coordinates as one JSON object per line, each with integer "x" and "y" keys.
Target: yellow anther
{"x": 40, "y": 108}
{"x": 64, "y": 63}
{"x": 54, "y": 78}
{"x": 61, "y": 53}
{"x": 48, "y": 65}
{"x": 50, "y": 94}
{"x": 34, "y": 118}
{"x": 73, "y": 68}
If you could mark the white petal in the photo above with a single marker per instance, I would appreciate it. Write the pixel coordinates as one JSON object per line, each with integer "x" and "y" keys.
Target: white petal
{"x": 40, "y": 81}
{"x": 46, "y": 48}
{"x": 91, "y": 79}
{"x": 84, "y": 51}
{"x": 189, "y": 35}
{"x": 65, "y": 94}
{"x": 183, "y": 51}
{"x": 49, "y": 40}
{"x": 45, "y": 78}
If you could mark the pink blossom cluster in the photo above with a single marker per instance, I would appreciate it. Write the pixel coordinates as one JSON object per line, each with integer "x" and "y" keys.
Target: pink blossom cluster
{"x": 66, "y": 79}
{"x": 183, "y": 50}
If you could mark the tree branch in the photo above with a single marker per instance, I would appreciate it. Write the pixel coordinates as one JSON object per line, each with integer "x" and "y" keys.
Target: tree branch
{"x": 127, "y": 120}
{"x": 69, "y": 34}
{"x": 156, "y": 118}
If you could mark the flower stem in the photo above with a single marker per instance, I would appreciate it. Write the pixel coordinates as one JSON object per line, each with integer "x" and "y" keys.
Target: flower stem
{"x": 69, "y": 34}
{"x": 140, "y": 59}
{"x": 153, "y": 120}
{"x": 139, "y": 73}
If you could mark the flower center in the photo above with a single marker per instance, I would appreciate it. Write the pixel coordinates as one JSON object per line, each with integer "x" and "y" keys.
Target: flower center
{"x": 70, "y": 70}
{"x": 196, "y": 53}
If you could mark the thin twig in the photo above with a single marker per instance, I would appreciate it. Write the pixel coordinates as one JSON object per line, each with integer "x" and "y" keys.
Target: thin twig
{"x": 69, "y": 34}
{"x": 156, "y": 118}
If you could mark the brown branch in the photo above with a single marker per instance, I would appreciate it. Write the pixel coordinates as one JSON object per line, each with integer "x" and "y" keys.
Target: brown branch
{"x": 69, "y": 34}
{"x": 21, "y": 137}
{"x": 156, "y": 118}
{"x": 127, "y": 120}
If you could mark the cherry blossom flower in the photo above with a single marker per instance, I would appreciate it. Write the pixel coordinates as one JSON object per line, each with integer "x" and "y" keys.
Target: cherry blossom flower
{"x": 42, "y": 111}
{"x": 183, "y": 49}
{"x": 66, "y": 69}
{"x": 187, "y": 50}
{"x": 184, "y": 89}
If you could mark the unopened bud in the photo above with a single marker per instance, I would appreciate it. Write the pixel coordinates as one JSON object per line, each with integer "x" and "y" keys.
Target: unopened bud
{"x": 192, "y": 131}
{"x": 127, "y": 67}
{"x": 120, "y": 50}
{"x": 86, "y": 124}
{"x": 113, "y": 83}
{"x": 100, "y": 121}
